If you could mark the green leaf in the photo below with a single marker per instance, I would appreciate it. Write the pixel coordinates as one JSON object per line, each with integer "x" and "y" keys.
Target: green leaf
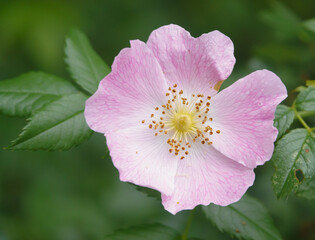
{"x": 294, "y": 161}
{"x": 21, "y": 96}
{"x": 307, "y": 189}
{"x": 305, "y": 101}
{"x": 149, "y": 192}
{"x": 59, "y": 125}
{"x": 246, "y": 219}
{"x": 310, "y": 24}
{"x": 310, "y": 83}
{"x": 154, "y": 231}
{"x": 284, "y": 117}
{"x": 85, "y": 66}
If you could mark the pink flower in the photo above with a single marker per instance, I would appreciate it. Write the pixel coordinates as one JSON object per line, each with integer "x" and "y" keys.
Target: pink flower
{"x": 168, "y": 129}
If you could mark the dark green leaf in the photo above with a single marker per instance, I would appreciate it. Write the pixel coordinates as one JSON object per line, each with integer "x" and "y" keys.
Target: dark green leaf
{"x": 145, "y": 232}
{"x": 246, "y": 219}
{"x": 294, "y": 161}
{"x": 59, "y": 125}
{"x": 85, "y": 66}
{"x": 283, "y": 119}
{"x": 25, "y": 94}
{"x": 283, "y": 20}
{"x": 149, "y": 192}
{"x": 305, "y": 101}
{"x": 307, "y": 189}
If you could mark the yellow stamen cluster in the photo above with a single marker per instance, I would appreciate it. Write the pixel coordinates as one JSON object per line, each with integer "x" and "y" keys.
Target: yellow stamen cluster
{"x": 185, "y": 119}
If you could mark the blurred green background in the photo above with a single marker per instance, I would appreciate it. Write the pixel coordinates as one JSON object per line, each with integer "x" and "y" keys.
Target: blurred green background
{"x": 77, "y": 194}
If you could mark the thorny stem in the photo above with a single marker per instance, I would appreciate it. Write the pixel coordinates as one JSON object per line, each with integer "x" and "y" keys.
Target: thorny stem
{"x": 299, "y": 117}
{"x": 188, "y": 224}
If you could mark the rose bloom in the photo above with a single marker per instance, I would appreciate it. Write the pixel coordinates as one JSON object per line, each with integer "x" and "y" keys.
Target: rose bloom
{"x": 168, "y": 128}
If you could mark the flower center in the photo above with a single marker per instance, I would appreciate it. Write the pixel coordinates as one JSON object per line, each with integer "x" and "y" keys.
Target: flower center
{"x": 183, "y": 122}
{"x": 184, "y": 119}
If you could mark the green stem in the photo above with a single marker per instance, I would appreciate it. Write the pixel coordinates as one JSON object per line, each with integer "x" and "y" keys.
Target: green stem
{"x": 188, "y": 224}
{"x": 299, "y": 117}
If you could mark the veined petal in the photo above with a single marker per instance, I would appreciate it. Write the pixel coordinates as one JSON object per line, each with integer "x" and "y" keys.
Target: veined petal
{"x": 134, "y": 87}
{"x": 142, "y": 158}
{"x": 207, "y": 176}
{"x": 244, "y": 114}
{"x": 195, "y": 64}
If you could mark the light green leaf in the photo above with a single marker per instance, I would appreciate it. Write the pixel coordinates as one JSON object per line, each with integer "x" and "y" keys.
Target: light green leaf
{"x": 284, "y": 117}
{"x": 294, "y": 161}
{"x": 246, "y": 219}
{"x": 85, "y": 66}
{"x": 305, "y": 101}
{"x": 154, "y": 231}
{"x": 59, "y": 125}
{"x": 310, "y": 83}
{"x": 21, "y": 96}
{"x": 310, "y": 24}
{"x": 307, "y": 189}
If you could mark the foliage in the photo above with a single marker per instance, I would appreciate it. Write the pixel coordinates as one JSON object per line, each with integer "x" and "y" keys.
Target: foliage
{"x": 246, "y": 219}
{"x": 54, "y": 109}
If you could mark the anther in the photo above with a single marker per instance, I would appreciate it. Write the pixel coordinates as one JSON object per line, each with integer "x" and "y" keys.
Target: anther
{"x": 152, "y": 115}
{"x": 142, "y": 121}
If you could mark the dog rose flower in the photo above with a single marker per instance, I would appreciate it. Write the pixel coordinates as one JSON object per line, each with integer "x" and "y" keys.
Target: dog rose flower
{"x": 168, "y": 129}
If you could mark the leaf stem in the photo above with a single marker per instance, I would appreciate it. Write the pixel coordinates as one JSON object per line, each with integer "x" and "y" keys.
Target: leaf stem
{"x": 188, "y": 224}
{"x": 299, "y": 117}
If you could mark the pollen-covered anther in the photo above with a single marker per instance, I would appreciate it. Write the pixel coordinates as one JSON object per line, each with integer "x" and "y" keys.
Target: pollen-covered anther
{"x": 185, "y": 119}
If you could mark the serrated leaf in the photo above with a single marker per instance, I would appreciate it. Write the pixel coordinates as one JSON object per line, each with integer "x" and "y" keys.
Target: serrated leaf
{"x": 85, "y": 65}
{"x": 294, "y": 161}
{"x": 21, "y": 96}
{"x": 154, "y": 231}
{"x": 59, "y": 125}
{"x": 246, "y": 219}
{"x": 307, "y": 189}
{"x": 284, "y": 117}
{"x": 305, "y": 101}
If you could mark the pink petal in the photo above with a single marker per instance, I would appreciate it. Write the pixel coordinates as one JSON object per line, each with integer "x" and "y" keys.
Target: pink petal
{"x": 143, "y": 158}
{"x": 197, "y": 65}
{"x": 206, "y": 176}
{"x": 133, "y": 89}
{"x": 244, "y": 114}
